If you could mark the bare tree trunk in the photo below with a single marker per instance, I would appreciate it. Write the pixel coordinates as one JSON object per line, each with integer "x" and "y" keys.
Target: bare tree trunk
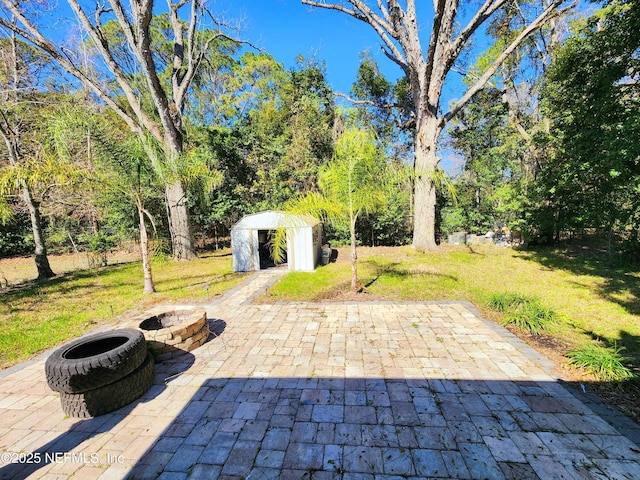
{"x": 182, "y": 244}
{"x": 40, "y": 254}
{"x": 426, "y": 162}
{"x": 354, "y": 255}
{"x": 164, "y": 122}
{"x": 179, "y": 222}
{"x": 144, "y": 250}
{"x": 11, "y": 137}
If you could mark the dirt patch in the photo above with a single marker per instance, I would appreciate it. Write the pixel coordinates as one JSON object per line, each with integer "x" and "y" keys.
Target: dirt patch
{"x": 345, "y": 294}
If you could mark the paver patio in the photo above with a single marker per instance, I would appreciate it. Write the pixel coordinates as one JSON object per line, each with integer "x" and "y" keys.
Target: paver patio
{"x": 323, "y": 391}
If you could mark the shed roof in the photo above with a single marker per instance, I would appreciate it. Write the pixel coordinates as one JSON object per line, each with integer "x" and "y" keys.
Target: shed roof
{"x": 272, "y": 219}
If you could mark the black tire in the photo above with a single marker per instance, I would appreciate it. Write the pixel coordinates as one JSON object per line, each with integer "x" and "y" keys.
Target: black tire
{"x": 110, "y": 397}
{"x": 96, "y": 360}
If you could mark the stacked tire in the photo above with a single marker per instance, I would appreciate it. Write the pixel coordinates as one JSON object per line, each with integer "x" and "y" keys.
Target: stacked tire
{"x": 100, "y": 373}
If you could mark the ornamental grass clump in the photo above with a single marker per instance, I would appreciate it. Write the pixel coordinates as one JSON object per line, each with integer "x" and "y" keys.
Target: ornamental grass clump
{"x": 605, "y": 363}
{"x": 503, "y": 302}
{"x": 524, "y": 312}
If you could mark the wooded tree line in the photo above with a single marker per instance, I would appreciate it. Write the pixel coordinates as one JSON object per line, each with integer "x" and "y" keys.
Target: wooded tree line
{"x": 552, "y": 151}
{"x": 171, "y": 123}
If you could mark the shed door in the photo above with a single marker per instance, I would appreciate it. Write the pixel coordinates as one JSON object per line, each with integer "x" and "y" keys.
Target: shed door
{"x": 265, "y": 249}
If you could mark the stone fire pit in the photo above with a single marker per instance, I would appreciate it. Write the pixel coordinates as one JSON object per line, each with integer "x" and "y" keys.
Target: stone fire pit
{"x": 173, "y": 332}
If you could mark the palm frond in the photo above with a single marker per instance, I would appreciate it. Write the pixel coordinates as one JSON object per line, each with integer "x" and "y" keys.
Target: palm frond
{"x": 156, "y": 155}
{"x": 441, "y": 180}
{"x": 5, "y": 211}
{"x": 317, "y": 205}
{"x": 278, "y": 245}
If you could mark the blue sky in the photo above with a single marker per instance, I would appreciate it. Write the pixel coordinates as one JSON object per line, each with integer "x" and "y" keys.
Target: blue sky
{"x": 286, "y": 28}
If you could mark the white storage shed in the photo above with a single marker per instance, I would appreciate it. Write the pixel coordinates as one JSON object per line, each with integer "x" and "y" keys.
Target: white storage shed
{"x": 251, "y": 236}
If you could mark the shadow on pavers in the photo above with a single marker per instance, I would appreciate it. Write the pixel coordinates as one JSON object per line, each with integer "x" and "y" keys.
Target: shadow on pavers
{"x": 419, "y": 428}
{"x": 58, "y": 449}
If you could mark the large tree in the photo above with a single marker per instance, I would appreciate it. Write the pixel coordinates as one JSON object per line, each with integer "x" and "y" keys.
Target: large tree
{"x": 154, "y": 107}
{"x": 426, "y": 62}
{"x": 115, "y": 165}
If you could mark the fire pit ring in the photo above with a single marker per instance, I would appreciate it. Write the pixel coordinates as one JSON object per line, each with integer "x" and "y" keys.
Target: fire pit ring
{"x": 173, "y": 332}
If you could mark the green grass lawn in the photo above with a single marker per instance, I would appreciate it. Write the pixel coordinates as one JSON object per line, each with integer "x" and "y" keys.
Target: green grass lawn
{"x": 593, "y": 298}
{"x": 37, "y": 316}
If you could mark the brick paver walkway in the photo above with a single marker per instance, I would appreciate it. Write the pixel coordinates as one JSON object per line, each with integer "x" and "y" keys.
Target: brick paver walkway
{"x": 323, "y": 391}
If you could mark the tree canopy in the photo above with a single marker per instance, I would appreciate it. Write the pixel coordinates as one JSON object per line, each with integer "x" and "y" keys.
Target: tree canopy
{"x": 207, "y": 129}
{"x": 427, "y": 62}
{"x": 592, "y": 97}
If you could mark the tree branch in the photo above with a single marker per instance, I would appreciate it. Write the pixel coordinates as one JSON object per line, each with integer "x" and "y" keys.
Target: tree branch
{"x": 367, "y": 102}
{"x": 32, "y": 35}
{"x": 171, "y": 123}
{"x": 181, "y": 78}
{"x": 487, "y": 9}
{"x": 382, "y": 27}
{"x": 101, "y": 44}
{"x": 438, "y": 6}
{"x": 497, "y": 63}
{"x": 439, "y": 48}
{"x": 383, "y": 11}
{"x": 334, "y": 6}
{"x": 125, "y": 24}
{"x": 7, "y": 134}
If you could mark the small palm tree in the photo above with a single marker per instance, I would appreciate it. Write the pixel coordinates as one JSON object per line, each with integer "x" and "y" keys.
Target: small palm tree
{"x": 353, "y": 182}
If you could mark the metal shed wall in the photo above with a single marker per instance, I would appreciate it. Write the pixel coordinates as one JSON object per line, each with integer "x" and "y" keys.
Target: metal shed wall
{"x": 304, "y": 240}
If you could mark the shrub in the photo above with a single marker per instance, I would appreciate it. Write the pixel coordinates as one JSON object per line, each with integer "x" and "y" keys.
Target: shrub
{"x": 526, "y": 313}
{"x": 605, "y": 363}
{"x": 502, "y": 302}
